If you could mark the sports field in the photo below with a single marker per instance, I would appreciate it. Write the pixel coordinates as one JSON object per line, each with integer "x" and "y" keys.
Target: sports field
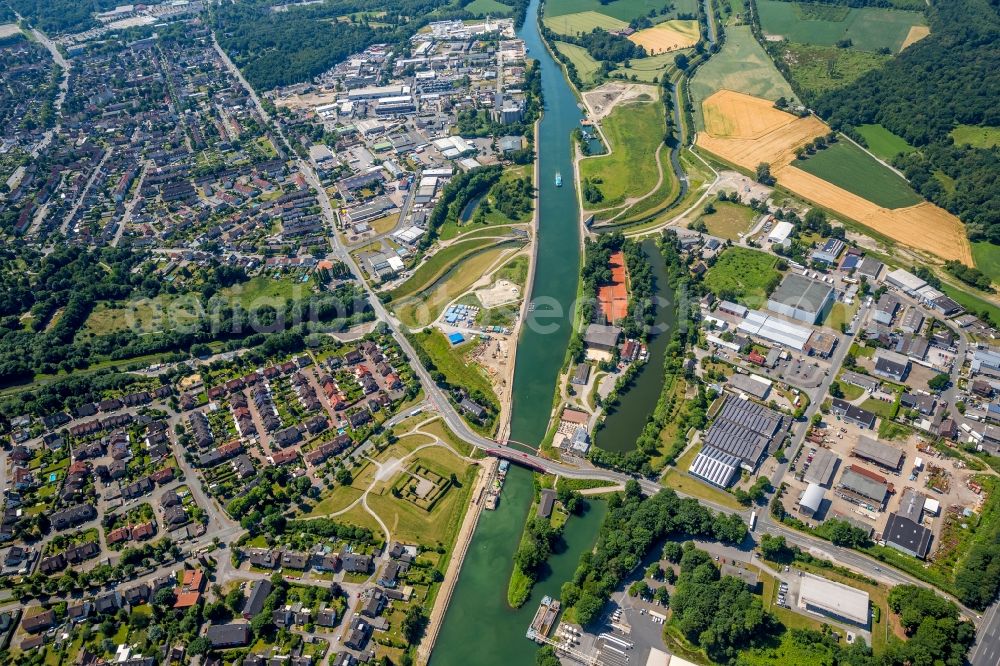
{"x": 741, "y": 65}
{"x": 883, "y": 143}
{"x": 976, "y": 136}
{"x": 623, "y": 10}
{"x": 818, "y": 69}
{"x": 585, "y": 65}
{"x": 868, "y": 28}
{"x": 634, "y": 131}
{"x": 491, "y": 7}
{"x": 849, "y": 167}
{"x": 773, "y": 138}
{"x": 582, "y": 22}
{"x": 667, "y": 36}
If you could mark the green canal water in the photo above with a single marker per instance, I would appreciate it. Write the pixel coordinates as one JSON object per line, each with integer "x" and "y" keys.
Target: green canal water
{"x": 623, "y": 426}
{"x": 542, "y": 345}
{"x": 480, "y": 628}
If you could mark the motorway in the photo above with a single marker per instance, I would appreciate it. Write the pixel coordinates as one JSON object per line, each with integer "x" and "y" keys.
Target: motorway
{"x": 441, "y": 403}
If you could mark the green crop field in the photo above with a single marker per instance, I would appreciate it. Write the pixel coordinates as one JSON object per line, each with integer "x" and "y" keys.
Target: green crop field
{"x": 744, "y": 275}
{"x": 847, "y": 166}
{"x": 491, "y": 7}
{"x": 818, "y": 69}
{"x": 868, "y": 28}
{"x": 586, "y": 66}
{"x": 582, "y": 22}
{"x": 987, "y": 256}
{"x": 741, "y": 65}
{"x": 729, "y": 220}
{"x": 883, "y": 143}
{"x": 977, "y": 136}
{"x": 650, "y": 69}
{"x": 623, "y": 10}
{"x": 634, "y": 130}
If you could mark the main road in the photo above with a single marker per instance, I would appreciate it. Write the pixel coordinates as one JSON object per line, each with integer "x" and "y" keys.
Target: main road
{"x": 440, "y": 402}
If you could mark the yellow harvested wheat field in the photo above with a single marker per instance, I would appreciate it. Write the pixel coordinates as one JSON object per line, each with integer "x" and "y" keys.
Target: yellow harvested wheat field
{"x": 915, "y": 34}
{"x": 667, "y": 36}
{"x": 746, "y": 130}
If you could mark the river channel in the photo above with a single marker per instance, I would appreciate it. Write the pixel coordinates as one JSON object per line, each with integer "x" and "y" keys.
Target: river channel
{"x": 544, "y": 336}
{"x": 623, "y": 426}
{"x": 479, "y": 627}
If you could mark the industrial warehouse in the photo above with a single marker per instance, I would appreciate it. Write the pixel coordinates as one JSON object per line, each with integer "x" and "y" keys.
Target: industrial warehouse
{"x": 739, "y": 437}
{"x": 838, "y": 601}
{"x": 801, "y": 299}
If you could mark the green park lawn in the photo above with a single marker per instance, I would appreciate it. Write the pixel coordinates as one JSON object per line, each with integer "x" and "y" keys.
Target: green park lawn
{"x": 412, "y": 524}
{"x": 742, "y": 65}
{"x": 976, "y": 136}
{"x": 634, "y": 131}
{"x": 170, "y": 311}
{"x": 817, "y": 69}
{"x": 586, "y": 66}
{"x": 883, "y": 143}
{"x": 868, "y": 28}
{"x": 848, "y": 166}
{"x": 729, "y": 220}
{"x": 745, "y": 275}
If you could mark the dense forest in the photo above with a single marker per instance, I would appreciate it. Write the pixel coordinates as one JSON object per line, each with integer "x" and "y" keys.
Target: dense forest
{"x": 631, "y": 528}
{"x": 950, "y": 78}
{"x": 56, "y": 16}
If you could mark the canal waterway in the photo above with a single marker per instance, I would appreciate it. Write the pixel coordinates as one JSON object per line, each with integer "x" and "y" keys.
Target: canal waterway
{"x": 623, "y": 426}
{"x": 479, "y": 627}
{"x": 544, "y": 336}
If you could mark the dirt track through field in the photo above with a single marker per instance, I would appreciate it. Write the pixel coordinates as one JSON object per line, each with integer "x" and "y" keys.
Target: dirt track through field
{"x": 746, "y": 131}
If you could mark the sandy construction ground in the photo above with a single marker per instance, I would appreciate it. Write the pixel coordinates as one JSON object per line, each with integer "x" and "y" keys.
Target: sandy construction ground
{"x": 602, "y": 100}
{"x": 746, "y": 131}
{"x": 308, "y": 100}
{"x": 667, "y": 36}
{"x": 499, "y": 293}
{"x": 8, "y": 29}
{"x": 916, "y": 33}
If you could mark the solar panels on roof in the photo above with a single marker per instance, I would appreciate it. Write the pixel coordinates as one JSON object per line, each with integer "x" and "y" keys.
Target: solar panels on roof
{"x": 715, "y": 466}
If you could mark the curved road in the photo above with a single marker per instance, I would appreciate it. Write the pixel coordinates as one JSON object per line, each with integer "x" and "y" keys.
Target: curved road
{"x": 440, "y": 402}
